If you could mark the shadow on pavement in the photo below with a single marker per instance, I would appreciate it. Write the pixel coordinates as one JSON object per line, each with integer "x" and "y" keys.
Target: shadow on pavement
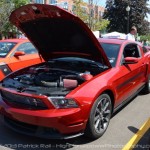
{"x": 14, "y": 140}
{"x": 144, "y": 142}
{"x": 133, "y": 129}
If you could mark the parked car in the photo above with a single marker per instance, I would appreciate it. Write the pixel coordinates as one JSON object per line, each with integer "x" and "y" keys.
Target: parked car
{"x": 16, "y": 54}
{"x": 80, "y": 85}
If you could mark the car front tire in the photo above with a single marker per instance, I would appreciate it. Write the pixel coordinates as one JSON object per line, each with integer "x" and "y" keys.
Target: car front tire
{"x": 99, "y": 117}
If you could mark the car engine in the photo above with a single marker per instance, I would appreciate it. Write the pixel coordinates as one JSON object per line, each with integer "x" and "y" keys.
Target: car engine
{"x": 43, "y": 80}
{"x": 53, "y": 78}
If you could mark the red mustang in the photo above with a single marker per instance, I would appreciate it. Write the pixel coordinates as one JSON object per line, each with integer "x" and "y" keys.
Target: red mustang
{"x": 79, "y": 86}
{"x": 16, "y": 54}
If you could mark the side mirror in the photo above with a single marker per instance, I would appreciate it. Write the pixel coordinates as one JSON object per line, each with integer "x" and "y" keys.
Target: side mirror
{"x": 131, "y": 60}
{"x": 19, "y": 53}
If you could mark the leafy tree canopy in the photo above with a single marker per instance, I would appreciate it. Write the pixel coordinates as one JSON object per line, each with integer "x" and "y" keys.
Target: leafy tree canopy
{"x": 84, "y": 12}
{"x": 6, "y": 7}
{"x": 79, "y": 10}
{"x": 117, "y": 15}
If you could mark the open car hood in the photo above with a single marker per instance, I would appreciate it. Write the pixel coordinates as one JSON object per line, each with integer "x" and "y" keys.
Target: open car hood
{"x": 57, "y": 33}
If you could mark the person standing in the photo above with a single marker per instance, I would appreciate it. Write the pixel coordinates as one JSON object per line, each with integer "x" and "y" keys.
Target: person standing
{"x": 131, "y": 35}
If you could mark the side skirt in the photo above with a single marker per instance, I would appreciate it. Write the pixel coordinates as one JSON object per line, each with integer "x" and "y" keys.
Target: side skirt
{"x": 127, "y": 100}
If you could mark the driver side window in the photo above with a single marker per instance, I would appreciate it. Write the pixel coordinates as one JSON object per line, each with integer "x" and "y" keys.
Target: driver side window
{"x": 130, "y": 50}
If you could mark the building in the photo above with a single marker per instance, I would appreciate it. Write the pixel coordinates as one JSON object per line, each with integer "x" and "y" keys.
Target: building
{"x": 95, "y": 11}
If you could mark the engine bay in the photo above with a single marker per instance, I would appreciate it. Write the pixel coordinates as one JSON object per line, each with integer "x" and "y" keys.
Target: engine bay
{"x": 50, "y": 79}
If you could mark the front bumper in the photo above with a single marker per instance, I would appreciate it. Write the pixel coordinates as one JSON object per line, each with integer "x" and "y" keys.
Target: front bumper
{"x": 53, "y": 124}
{"x": 37, "y": 131}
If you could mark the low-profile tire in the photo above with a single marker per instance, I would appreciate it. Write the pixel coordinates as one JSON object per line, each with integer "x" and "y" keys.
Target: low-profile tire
{"x": 99, "y": 117}
{"x": 146, "y": 89}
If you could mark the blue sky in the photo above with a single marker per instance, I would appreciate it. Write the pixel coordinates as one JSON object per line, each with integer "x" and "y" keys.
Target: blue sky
{"x": 100, "y": 2}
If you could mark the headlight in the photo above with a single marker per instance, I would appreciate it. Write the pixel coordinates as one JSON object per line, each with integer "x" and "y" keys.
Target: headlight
{"x": 61, "y": 102}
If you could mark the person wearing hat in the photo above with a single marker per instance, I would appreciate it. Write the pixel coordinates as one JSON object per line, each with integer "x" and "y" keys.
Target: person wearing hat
{"x": 131, "y": 35}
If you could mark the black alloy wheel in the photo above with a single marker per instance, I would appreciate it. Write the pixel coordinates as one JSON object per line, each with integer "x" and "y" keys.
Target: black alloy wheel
{"x": 99, "y": 117}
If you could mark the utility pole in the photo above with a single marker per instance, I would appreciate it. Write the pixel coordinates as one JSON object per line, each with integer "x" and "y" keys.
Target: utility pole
{"x": 128, "y": 10}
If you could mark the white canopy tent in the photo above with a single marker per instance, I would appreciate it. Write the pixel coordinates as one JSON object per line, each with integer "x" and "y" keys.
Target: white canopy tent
{"x": 115, "y": 35}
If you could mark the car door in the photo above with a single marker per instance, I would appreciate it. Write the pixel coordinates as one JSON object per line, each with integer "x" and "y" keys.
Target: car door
{"x": 130, "y": 76}
{"x": 31, "y": 57}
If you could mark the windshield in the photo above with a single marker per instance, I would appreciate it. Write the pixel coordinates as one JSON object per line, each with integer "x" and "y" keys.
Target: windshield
{"x": 5, "y": 48}
{"x": 111, "y": 51}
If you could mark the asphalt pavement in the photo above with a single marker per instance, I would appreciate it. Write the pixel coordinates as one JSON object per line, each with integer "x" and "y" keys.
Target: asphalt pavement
{"x": 123, "y": 126}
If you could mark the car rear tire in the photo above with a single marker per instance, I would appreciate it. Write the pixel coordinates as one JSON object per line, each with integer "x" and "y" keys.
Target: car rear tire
{"x": 99, "y": 117}
{"x": 146, "y": 89}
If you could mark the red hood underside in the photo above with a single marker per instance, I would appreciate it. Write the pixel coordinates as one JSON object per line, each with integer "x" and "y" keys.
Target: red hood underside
{"x": 57, "y": 33}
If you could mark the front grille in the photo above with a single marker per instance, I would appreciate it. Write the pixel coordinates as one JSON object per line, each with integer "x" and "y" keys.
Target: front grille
{"x": 23, "y": 102}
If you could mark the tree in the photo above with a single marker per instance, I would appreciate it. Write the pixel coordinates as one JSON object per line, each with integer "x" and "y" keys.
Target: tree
{"x": 5, "y": 10}
{"x": 95, "y": 22}
{"x": 117, "y": 15}
{"x": 19, "y": 3}
{"x": 80, "y": 10}
{"x": 6, "y": 7}
{"x": 100, "y": 25}
{"x": 86, "y": 13}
